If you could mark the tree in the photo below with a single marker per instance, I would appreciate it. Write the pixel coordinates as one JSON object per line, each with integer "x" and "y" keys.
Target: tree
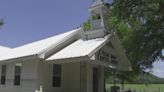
{"x": 140, "y": 26}
{"x": 1, "y": 23}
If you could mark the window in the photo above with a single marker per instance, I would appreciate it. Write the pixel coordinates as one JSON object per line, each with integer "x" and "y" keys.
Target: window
{"x": 17, "y": 76}
{"x": 3, "y": 74}
{"x": 103, "y": 56}
{"x": 56, "y": 75}
{"x": 114, "y": 60}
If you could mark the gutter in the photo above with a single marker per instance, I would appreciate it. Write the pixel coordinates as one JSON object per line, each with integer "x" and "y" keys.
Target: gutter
{"x": 69, "y": 60}
{"x": 24, "y": 58}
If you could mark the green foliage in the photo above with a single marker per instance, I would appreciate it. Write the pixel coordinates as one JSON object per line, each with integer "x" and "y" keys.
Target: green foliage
{"x": 148, "y": 78}
{"x": 87, "y": 25}
{"x": 144, "y": 78}
{"x": 1, "y": 22}
{"x": 96, "y": 17}
{"x": 140, "y": 25}
{"x": 120, "y": 76}
{"x": 141, "y": 87}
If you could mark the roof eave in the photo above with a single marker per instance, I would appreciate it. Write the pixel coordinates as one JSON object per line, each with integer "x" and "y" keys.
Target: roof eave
{"x": 69, "y": 60}
{"x": 99, "y": 47}
{"x": 25, "y": 58}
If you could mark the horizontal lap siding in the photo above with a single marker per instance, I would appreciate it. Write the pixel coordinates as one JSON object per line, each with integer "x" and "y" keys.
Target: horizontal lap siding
{"x": 89, "y": 77}
{"x": 45, "y": 73}
{"x": 71, "y": 77}
{"x": 28, "y": 77}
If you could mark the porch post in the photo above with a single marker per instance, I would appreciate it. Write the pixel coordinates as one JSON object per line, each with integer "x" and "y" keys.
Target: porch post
{"x": 101, "y": 79}
{"x": 83, "y": 76}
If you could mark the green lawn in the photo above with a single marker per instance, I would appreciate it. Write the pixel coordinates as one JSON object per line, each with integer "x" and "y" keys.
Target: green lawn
{"x": 142, "y": 87}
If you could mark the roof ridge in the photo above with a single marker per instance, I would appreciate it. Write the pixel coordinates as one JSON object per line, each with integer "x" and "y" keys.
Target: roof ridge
{"x": 34, "y": 48}
{"x": 42, "y": 39}
{"x": 58, "y": 43}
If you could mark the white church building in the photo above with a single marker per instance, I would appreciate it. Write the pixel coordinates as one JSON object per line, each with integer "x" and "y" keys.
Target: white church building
{"x": 70, "y": 62}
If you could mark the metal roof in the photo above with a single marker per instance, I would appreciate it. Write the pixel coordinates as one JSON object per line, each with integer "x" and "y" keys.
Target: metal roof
{"x": 79, "y": 48}
{"x": 4, "y": 50}
{"x": 35, "y": 48}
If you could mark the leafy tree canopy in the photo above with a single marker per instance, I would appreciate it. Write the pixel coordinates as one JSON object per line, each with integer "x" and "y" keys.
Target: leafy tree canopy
{"x": 140, "y": 26}
{"x": 1, "y": 23}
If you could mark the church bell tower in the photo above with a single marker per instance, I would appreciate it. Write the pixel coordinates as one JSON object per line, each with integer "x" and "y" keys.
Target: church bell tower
{"x": 98, "y": 14}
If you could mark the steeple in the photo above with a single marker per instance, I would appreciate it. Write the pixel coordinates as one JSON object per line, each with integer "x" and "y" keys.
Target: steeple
{"x": 98, "y": 12}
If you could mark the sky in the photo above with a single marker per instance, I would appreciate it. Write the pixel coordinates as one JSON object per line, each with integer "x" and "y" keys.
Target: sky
{"x": 26, "y": 21}
{"x": 158, "y": 69}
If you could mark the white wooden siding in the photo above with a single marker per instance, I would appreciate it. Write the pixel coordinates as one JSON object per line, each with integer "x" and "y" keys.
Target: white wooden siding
{"x": 28, "y": 78}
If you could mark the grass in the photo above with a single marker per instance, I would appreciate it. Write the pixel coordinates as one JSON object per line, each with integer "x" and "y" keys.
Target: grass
{"x": 141, "y": 87}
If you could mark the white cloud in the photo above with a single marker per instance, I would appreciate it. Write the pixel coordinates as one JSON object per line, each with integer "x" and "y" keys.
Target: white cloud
{"x": 158, "y": 69}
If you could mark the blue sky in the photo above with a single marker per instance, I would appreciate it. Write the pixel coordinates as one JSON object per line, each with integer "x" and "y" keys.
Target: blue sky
{"x": 30, "y": 20}
{"x": 26, "y": 21}
{"x": 158, "y": 69}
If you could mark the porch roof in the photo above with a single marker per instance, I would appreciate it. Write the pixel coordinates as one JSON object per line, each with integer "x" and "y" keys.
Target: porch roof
{"x": 80, "y": 48}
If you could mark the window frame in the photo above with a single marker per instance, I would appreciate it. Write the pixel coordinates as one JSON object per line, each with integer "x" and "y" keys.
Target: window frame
{"x": 17, "y": 74}
{"x": 3, "y": 74}
{"x": 56, "y": 77}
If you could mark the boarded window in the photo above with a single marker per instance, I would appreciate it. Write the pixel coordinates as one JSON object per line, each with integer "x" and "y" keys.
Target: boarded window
{"x": 17, "y": 76}
{"x": 3, "y": 75}
{"x": 56, "y": 75}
